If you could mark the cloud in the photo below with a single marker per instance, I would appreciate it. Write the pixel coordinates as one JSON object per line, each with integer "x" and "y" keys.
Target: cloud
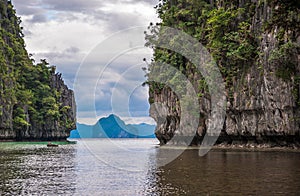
{"x": 28, "y": 7}
{"x": 62, "y": 55}
{"x": 119, "y": 21}
{"x": 72, "y": 6}
{"x": 39, "y": 18}
{"x": 118, "y": 13}
{"x": 78, "y": 37}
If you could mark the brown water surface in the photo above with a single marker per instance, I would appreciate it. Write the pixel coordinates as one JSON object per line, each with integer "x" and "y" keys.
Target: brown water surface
{"x": 132, "y": 167}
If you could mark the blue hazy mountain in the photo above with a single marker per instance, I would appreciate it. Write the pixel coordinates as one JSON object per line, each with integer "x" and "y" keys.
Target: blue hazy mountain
{"x": 113, "y": 127}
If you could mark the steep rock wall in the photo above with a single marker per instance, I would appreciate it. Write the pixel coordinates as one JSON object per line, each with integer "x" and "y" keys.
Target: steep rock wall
{"x": 262, "y": 97}
{"x": 35, "y": 103}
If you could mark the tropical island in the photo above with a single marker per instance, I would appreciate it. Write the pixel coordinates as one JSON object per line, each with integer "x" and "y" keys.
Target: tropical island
{"x": 35, "y": 103}
{"x": 113, "y": 127}
{"x": 256, "y": 46}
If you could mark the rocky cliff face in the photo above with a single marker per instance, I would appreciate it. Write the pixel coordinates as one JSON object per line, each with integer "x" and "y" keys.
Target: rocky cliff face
{"x": 263, "y": 95}
{"x": 54, "y": 129}
{"x": 35, "y": 104}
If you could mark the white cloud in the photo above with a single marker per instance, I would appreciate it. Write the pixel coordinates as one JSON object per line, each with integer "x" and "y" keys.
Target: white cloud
{"x": 65, "y": 34}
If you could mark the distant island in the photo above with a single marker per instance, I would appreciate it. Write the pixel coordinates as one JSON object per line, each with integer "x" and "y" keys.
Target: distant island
{"x": 35, "y": 103}
{"x": 113, "y": 127}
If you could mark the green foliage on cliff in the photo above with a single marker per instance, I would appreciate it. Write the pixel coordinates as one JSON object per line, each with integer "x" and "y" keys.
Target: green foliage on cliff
{"x": 225, "y": 31}
{"x": 284, "y": 56}
{"x": 231, "y": 31}
{"x": 26, "y": 89}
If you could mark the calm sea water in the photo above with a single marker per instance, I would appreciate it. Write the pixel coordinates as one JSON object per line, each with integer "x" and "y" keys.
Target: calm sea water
{"x": 138, "y": 167}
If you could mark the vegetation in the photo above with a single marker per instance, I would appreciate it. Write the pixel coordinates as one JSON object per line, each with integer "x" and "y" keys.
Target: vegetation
{"x": 25, "y": 88}
{"x": 229, "y": 31}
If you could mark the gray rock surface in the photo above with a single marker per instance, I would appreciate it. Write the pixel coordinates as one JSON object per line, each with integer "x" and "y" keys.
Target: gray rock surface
{"x": 263, "y": 109}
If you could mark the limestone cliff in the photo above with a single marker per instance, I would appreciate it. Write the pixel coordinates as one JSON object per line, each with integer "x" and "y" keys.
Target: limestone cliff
{"x": 256, "y": 45}
{"x": 35, "y": 104}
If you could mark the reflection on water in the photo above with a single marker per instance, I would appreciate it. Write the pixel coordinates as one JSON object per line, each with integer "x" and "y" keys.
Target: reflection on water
{"x": 114, "y": 167}
{"x": 36, "y": 169}
{"x": 134, "y": 167}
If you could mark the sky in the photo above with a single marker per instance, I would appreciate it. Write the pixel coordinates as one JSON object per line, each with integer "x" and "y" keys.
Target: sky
{"x": 98, "y": 46}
